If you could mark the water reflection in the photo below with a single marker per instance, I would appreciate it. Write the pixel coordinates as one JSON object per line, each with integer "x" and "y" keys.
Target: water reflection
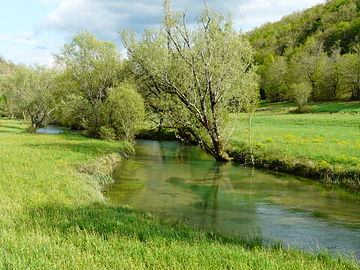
{"x": 185, "y": 182}
{"x": 50, "y": 130}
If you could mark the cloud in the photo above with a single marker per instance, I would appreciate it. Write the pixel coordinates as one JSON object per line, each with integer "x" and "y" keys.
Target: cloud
{"x": 106, "y": 18}
{"x": 27, "y": 39}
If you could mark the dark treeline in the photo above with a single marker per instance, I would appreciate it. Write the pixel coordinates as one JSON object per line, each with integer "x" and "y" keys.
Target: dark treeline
{"x": 313, "y": 54}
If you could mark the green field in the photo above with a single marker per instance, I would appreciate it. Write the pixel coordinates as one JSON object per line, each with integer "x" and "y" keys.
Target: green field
{"x": 53, "y": 217}
{"x": 327, "y": 137}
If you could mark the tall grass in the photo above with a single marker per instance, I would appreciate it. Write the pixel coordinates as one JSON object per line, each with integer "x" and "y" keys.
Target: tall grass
{"x": 54, "y": 217}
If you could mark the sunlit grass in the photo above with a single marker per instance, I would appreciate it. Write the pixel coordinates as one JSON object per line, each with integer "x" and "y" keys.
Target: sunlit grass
{"x": 53, "y": 217}
{"x": 329, "y": 139}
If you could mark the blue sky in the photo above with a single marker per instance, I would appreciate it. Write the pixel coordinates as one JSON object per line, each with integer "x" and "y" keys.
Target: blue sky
{"x": 32, "y": 30}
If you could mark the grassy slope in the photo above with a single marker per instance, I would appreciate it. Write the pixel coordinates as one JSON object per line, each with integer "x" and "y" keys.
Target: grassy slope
{"x": 52, "y": 217}
{"x": 329, "y": 136}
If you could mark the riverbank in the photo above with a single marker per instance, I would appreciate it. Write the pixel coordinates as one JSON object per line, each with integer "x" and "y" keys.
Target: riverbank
{"x": 323, "y": 145}
{"x": 54, "y": 217}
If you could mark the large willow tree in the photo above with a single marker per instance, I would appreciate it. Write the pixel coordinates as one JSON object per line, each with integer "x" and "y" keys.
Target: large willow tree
{"x": 194, "y": 73}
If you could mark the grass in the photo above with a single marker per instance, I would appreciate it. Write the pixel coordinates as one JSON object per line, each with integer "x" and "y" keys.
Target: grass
{"x": 352, "y": 107}
{"x": 327, "y": 138}
{"x": 52, "y": 216}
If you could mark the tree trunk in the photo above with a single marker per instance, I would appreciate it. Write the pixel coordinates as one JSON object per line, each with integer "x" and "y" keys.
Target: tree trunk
{"x": 218, "y": 152}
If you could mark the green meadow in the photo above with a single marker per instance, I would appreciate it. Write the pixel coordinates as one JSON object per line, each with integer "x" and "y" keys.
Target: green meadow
{"x": 55, "y": 217}
{"x": 328, "y": 137}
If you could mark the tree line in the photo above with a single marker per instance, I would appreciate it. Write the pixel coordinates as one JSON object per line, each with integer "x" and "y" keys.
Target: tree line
{"x": 188, "y": 79}
{"x": 311, "y": 55}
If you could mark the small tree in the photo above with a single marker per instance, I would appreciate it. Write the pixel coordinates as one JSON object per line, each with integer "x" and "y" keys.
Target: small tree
{"x": 126, "y": 110}
{"x": 91, "y": 68}
{"x": 197, "y": 72}
{"x": 301, "y": 93}
{"x": 30, "y": 90}
{"x": 349, "y": 70}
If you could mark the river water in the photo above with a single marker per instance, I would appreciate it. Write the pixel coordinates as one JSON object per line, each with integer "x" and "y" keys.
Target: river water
{"x": 184, "y": 182}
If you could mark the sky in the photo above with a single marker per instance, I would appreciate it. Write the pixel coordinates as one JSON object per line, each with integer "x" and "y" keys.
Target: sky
{"x": 31, "y": 31}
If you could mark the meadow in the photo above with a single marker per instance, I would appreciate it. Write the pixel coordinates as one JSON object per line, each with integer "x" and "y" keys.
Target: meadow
{"x": 54, "y": 216}
{"x": 326, "y": 140}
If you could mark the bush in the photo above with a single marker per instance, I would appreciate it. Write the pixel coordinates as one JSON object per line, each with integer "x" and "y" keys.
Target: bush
{"x": 107, "y": 133}
{"x": 300, "y": 93}
{"x": 126, "y": 108}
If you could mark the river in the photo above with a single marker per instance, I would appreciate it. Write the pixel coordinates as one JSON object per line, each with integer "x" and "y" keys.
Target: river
{"x": 184, "y": 182}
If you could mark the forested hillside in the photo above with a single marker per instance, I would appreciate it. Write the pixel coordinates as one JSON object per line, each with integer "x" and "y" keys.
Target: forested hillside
{"x": 312, "y": 54}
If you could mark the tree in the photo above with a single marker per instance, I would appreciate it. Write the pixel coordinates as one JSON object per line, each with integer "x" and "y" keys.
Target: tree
{"x": 300, "y": 93}
{"x": 328, "y": 77}
{"x": 305, "y": 63}
{"x": 30, "y": 90}
{"x": 276, "y": 82}
{"x": 91, "y": 68}
{"x": 126, "y": 110}
{"x": 199, "y": 71}
{"x": 349, "y": 69}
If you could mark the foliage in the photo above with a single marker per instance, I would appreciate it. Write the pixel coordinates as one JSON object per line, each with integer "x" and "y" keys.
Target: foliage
{"x": 349, "y": 68}
{"x": 94, "y": 95}
{"x": 312, "y": 45}
{"x": 300, "y": 93}
{"x": 91, "y": 68}
{"x": 275, "y": 81}
{"x": 126, "y": 109}
{"x": 30, "y": 92}
{"x": 194, "y": 74}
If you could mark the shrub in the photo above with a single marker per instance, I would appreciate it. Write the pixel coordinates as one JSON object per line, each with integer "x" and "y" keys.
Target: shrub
{"x": 107, "y": 133}
{"x": 300, "y": 93}
{"x": 126, "y": 111}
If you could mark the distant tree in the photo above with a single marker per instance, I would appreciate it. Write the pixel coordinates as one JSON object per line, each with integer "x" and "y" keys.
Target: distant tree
{"x": 328, "y": 77}
{"x": 349, "y": 69}
{"x": 72, "y": 109}
{"x": 91, "y": 67}
{"x": 30, "y": 91}
{"x": 276, "y": 81}
{"x": 300, "y": 93}
{"x": 306, "y": 60}
{"x": 198, "y": 70}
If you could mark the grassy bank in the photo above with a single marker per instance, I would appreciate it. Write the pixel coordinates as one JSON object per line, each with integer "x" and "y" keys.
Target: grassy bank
{"x": 55, "y": 217}
{"x": 323, "y": 144}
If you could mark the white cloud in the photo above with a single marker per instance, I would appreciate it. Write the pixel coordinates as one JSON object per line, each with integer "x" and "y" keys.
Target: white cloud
{"x": 105, "y": 18}
{"x": 27, "y": 39}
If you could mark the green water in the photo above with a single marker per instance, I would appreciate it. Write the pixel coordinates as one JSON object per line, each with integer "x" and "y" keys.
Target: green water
{"x": 184, "y": 182}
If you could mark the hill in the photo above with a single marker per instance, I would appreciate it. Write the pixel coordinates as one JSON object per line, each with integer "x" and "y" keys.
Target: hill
{"x": 318, "y": 46}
